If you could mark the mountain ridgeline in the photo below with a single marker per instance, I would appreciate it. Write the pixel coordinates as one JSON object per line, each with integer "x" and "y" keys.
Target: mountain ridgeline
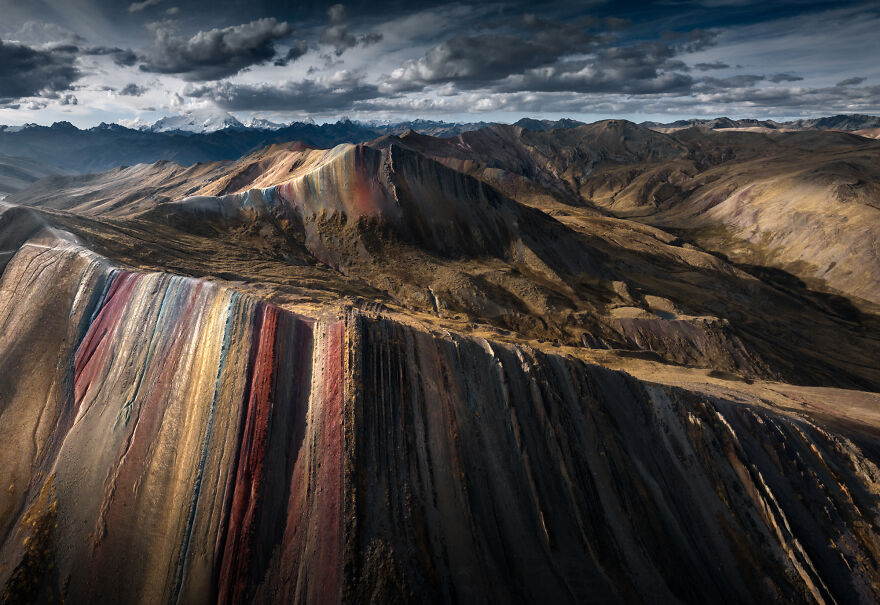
{"x": 542, "y": 362}
{"x": 207, "y": 137}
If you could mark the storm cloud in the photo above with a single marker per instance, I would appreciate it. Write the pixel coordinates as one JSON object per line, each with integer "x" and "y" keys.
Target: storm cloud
{"x": 133, "y": 90}
{"x": 784, "y": 78}
{"x": 215, "y": 53}
{"x": 28, "y": 72}
{"x": 476, "y": 60}
{"x": 297, "y": 49}
{"x": 647, "y": 68}
{"x": 711, "y": 66}
{"x": 120, "y": 56}
{"x": 340, "y": 91}
{"x": 585, "y": 55}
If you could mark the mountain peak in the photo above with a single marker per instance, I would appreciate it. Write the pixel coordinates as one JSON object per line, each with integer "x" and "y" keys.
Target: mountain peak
{"x": 199, "y": 120}
{"x": 263, "y": 124}
{"x": 63, "y": 125}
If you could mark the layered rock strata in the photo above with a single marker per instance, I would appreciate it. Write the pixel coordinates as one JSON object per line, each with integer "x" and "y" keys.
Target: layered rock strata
{"x": 164, "y": 438}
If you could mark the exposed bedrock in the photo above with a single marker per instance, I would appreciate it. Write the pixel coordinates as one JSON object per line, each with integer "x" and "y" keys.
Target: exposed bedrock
{"x": 357, "y": 199}
{"x": 167, "y": 439}
{"x": 178, "y": 428}
{"x": 488, "y": 473}
{"x": 361, "y": 207}
{"x": 690, "y": 342}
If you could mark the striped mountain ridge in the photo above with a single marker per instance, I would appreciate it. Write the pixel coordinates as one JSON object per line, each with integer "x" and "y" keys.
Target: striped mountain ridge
{"x": 361, "y": 187}
{"x": 196, "y": 444}
{"x": 693, "y": 180}
{"x": 440, "y": 370}
{"x": 357, "y": 208}
{"x": 378, "y": 213}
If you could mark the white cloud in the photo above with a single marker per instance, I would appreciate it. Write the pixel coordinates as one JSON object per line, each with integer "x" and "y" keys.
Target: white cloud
{"x": 136, "y": 7}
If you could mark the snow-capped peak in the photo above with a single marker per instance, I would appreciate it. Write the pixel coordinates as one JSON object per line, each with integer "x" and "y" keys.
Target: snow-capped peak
{"x": 263, "y": 124}
{"x": 197, "y": 120}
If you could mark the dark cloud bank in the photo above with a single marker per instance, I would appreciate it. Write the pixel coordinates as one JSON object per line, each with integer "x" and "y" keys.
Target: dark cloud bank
{"x": 503, "y": 60}
{"x": 27, "y": 72}
{"x": 215, "y": 53}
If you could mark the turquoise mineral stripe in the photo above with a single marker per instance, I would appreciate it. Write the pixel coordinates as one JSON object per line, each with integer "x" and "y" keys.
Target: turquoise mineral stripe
{"x": 151, "y": 347}
{"x": 102, "y": 298}
{"x": 93, "y": 307}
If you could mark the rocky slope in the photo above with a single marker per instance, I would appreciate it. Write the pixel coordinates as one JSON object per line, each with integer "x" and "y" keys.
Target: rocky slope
{"x": 177, "y": 440}
{"x": 434, "y": 240}
{"x": 801, "y": 202}
{"x": 383, "y": 373}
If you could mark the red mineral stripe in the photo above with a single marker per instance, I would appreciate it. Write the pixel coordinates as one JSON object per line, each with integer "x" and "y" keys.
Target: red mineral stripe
{"x": 311, "y": 559}
{"x": 330, "y": 472}
{"x": 233, "y": 576}
{"x": 94, "y": 351}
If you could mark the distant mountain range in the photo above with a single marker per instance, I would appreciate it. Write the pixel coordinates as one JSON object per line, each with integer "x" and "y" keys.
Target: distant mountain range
{"x": 190, "y": 138}
{"x": 845, "y": 122}
{"x": 206, "y": 120}
{"x": 204, "y": 136}
{"x": 110, "y": 145}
